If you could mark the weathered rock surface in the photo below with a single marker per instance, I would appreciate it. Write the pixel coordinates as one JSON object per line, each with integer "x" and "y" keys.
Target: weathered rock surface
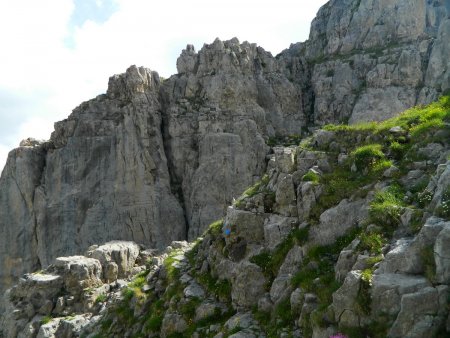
{"x": 153, "y": 161}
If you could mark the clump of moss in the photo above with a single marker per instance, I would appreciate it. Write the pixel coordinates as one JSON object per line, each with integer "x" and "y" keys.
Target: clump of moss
{"x": 215, "y": 228}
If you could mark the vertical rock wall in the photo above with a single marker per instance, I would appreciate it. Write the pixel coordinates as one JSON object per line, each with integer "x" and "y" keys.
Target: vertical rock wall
{"x": 153, "y": 161}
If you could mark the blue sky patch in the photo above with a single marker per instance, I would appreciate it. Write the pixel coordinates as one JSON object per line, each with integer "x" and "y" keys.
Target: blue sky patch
{"x": 98, "y": 11}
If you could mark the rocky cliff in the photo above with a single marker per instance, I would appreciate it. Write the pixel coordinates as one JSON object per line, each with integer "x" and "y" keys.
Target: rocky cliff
{"x": 157, "y": 160}
{"x": 345, "y": 236}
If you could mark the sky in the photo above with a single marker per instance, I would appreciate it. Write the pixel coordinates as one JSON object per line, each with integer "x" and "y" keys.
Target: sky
{"x": 55, "y": 54}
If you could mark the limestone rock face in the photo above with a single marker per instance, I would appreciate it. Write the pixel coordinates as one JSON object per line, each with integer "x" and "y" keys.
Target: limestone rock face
{"x": 373, "y": 59}
{"x": 155, "y": 160}
{"x": 18, "y": 249}
{"x": 228, "y": 98}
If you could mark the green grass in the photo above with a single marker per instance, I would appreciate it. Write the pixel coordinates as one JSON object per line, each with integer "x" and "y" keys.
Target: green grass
{"x": 415, "y": 120}
{"x": 270, "y": 262}
{"x": 173, "y": 272}
{"x": 188, "y": 309}
{"x": 319, "y": 278}
{"x": 364, "y": 299}
{"x": 311, "y": 176}
{"x": 367, "y": 156}
{"x": 387, "y": 207}
{"x": 397, "y": 150}
{"x": 372, "y": 242}
{"x": 281, "y": 318}
{"x": 155, "y": 315}
{"x": 258, "y": 188}
{"x": 221, "y": 288}
{"x": 46, "y": 320}
{"x": 101, "y": 298}
{"x": 341, "y": 183}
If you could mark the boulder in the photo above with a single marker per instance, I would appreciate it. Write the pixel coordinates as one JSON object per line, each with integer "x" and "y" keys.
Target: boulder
{"x": 292, "y": 261}
{"x": 442, "y": 255}
{"x": 308, "y": 194}
{"x": 248, "y": 284}
{"x": 285, "y": 196}
{"x": 388, "y": 289}
{"x": 172, "y": 323}
{"x": 122, "y": 253}
{"x": 417, "y": 315}
{"x": 78, "y": 272}
{"x": 335, "y": 222}
{"x": 244, "y": 224}
{"x": 345, "y": 301}
{"x": 281, "y": 288}
{"x": 276, "y": 229}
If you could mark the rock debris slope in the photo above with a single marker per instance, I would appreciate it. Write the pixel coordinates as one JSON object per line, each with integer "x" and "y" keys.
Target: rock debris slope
{"x": 347, "y": 233}
{"x": 157, "y": 160}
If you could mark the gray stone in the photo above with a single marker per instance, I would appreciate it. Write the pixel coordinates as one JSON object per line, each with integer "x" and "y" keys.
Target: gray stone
{"x": 344, "y": 264}
{"x": 308, "y": 194}
{"x": 442, "y": 183}
{"x": 72, "y": 326}
{"x": 111, "y": 272}
{"x": 242, "y": 320}
{"x": 431, "y": 151}
{"x": 285, "y": 196}
{"x": 292, "y": 261}
{"x": 281, "y": 288}
{"x": 276, "y": 229}
{"x": 194, "y": 290}
{"x": 244, "y": 224}
{"x": 391, "y": 172}
{"x": 172, "y": 323}
{"x": 206, "y": 310}
{"x": 415, "y": 318}
{"x": 46, "y": 308}
{"x": 296, "y": 300}
{"x": 284, "y": 159}
{"x": 387, "y": 290}
{"x": 123, "y": 253}
{"x": 79, "y": 272}
{"x": 335, "y": 222}
{"x": 345, "y": 304}
{"x": 265, "y": 304}
{"x": 248, "y": 284}
{"x": 405, "y": 256}
{"x": 442, "y": 255}
{"x": 110, "y": 169}
{"x": 49, "y": 330}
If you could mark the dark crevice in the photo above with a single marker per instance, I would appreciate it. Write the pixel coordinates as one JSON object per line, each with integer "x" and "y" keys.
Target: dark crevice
{"x": 43, "y": 166}
{"x": 175, "y": 181}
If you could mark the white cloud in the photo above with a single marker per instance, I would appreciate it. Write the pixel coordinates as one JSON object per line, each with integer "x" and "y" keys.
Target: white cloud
{"x": 51, "y": 79}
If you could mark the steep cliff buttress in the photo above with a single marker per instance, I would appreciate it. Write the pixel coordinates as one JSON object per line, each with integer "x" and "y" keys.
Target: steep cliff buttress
{"x": 153, "y": 161}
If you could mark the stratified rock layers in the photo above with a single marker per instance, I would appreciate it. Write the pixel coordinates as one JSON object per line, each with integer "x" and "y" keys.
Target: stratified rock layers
{"x": 154, "y": 161}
